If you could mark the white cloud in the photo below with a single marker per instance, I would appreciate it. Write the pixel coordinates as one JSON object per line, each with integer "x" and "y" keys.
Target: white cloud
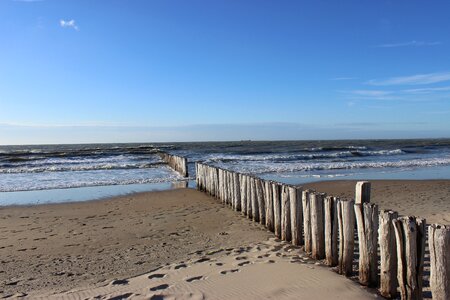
{"x": 413, "y": 79}
{"x": 68, "y": 24}
{"x": 409, "y": 44}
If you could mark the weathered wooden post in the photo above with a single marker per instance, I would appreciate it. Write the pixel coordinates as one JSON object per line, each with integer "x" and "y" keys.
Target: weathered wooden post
{"x": 261, "y": 201}
{"x": 200, "y": 177}
{"x": 295, "y": 198}
{"x": 255, "y": 206}
{"x": 410, "y": 240}
{"x": 388, "y": 254}
{"x": 232, "y": 190}
{"x": 317, "y": 226}
{"x": 231, "y": 186}
{"x": 270, "y": 222}
{"x": 249, "y": 198}
{"x": 439, "y": 244}
{"x": 331, "y": 231}
{"x": 362, "y": 192}
{"x": 285, "y": 214}
{"x": 197, "y": 179}
{"x": 276, "y": 196}
{"x": 227, "y": 188}
{"x": 224, "y": 187}
{"x": 307, "y": 219}
{"x": 346, "y": 223}
{"x": 237, "y": 188}
{"x": 244, "y": 194}
{"x": 367, "y": 224}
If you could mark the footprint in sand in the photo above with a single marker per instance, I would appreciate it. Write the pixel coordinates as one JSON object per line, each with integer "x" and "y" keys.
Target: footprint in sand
{"x": 119, "y": 282}
{"x": 195, "y": 278}
{"x": 180, "y": 266}
{"x": 243, "y": 263}
{"x": 240, "y": 257}
{"x": 121, "y": 297}
{"x": 159, "y": 287}
{"x": 229, "y": 271}
{"x": 156, "y": 276}
{"x": 203, "y": 259}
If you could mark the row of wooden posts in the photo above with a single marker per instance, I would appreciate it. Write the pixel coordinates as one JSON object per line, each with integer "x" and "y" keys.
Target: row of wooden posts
{"x": 325, "y": 226}
{"x": 178, "y": 163}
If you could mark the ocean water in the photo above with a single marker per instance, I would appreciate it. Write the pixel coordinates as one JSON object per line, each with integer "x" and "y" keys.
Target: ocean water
{"x": 123, "y": 168}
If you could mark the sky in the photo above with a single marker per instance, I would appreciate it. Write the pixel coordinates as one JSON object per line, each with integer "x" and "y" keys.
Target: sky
{"x": 87, "y": 71}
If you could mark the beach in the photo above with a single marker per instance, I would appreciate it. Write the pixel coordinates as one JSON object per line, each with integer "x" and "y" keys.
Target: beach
{"x": 429, "y": 199}
{"x": 103, "y": 247}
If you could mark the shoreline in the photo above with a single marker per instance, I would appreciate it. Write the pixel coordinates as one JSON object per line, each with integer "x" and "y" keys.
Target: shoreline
{"x": 85, "y": 194}
{"x": 320, "y": 185}
{"x": 56, "y": 248}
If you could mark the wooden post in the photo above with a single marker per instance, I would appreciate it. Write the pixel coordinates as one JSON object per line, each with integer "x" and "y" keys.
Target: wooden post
{"x": 261, "y": 201}
{"x": 270, "y": 223}
{"x": 227, "y": 188}
{"x": 197, "y": 177}
{"x": 331, "y": 231}
{"x": 346, "y": 223}
{"x": 439, "y": 244}
{"x": 362, "y": 192}
{"x": 388, "y": 254}
{"x": 276, "y": 195}
{"x": 307, "y": 220}
{"x": 244, "y": 194}
{"x": 224, "y": 187}
{"x": 237, "y": 187}
{"x": 295, "y": 198}
{"x": 255, "y": 206}
{"x": 232, "y": 190}
{"x": 410, "y": 242}
{"x": 317, "y": 226}
{"x": 285, "y": 214}
{"x": 367, "y": 224}
{"x": 249, "y": 198}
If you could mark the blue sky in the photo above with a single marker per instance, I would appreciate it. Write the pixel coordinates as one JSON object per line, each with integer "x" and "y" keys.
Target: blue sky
{"x": 138, "y": 71}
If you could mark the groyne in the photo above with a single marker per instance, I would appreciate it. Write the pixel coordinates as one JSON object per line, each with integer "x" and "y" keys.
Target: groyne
{"x": 391, "y": 248}
{"x": 178, "y": 163}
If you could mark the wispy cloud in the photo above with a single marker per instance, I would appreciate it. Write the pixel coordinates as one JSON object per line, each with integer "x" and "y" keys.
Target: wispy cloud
{"x": 412, "y": 80}
{"x": 343, "y": 78}
{"x": 409, "y": 44}
{"x": 428, "y": 90}
{"x": 68, "y": 24}
{"x": 371, "y": 93}
{"x": 408, "y": 95}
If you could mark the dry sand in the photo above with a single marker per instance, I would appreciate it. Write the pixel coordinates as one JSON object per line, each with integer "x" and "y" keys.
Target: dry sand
{"x": 108, "y": 248}
{"x": 429, "y": 199}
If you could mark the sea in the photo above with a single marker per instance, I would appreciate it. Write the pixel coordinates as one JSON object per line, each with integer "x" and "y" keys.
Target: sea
{"x": 37, "y": 174}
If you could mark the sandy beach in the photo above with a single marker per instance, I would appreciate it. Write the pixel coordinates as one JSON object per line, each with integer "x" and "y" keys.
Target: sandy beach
{"x": 429, "y": 199}
{"x": 180, "y": 244}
